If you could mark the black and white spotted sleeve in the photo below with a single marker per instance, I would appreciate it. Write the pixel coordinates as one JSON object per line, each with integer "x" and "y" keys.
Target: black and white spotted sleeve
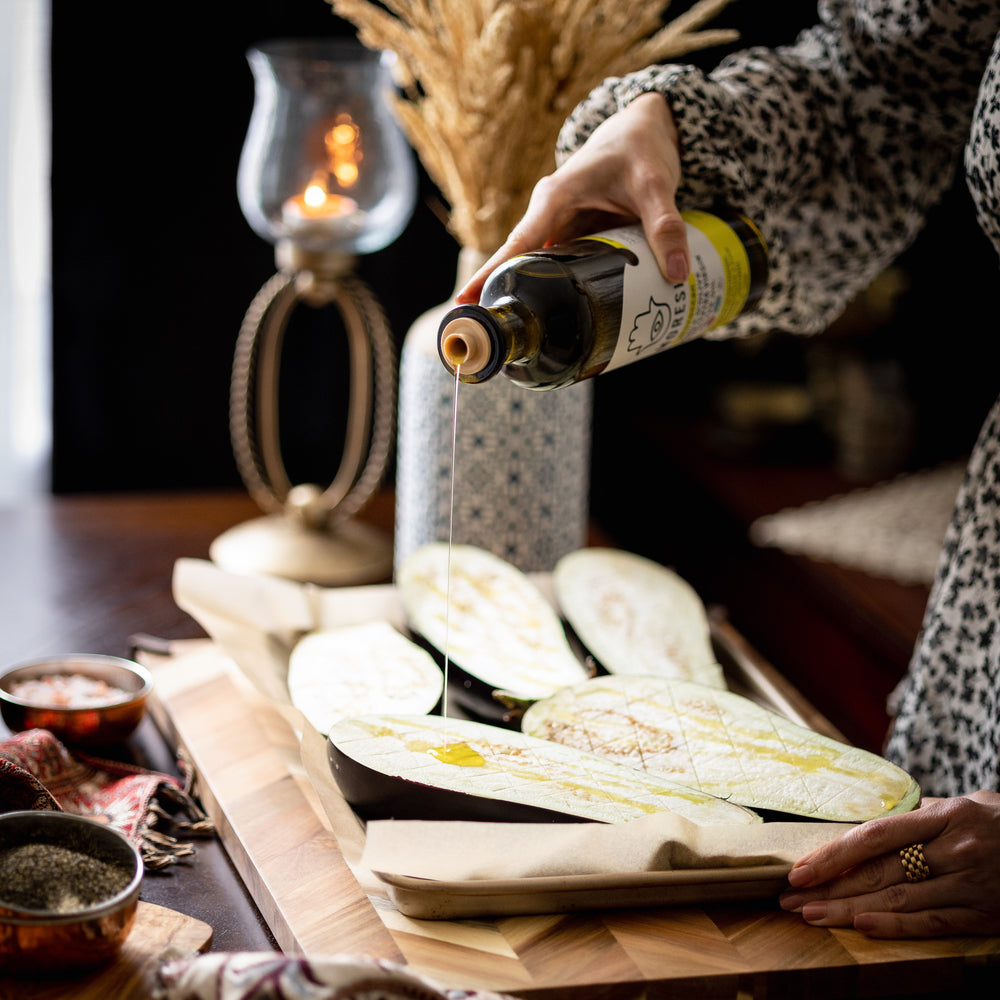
{"x": 836, "y": 146}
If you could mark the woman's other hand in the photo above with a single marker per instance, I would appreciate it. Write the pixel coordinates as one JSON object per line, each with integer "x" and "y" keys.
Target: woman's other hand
{"x": 628, "y": 170}
{"x": 859, "y": 880}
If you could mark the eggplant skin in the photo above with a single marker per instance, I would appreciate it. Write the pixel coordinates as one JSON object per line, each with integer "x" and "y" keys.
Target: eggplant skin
{"x": 374, "y": 795}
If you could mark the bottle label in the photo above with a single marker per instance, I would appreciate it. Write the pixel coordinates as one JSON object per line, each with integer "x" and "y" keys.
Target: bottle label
{"x": 656, "y": 314}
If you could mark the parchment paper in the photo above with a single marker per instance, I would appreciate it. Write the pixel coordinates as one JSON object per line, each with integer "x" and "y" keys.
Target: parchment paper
{"x": 455, "y": 851}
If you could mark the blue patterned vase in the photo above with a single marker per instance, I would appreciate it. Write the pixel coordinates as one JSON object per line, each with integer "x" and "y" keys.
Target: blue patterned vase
{"x": 522, "y": 457}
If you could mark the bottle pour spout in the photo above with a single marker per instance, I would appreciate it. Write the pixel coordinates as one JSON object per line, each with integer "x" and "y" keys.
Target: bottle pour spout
{"x": 470, "y": 343}
{"x": 466, "y": 345}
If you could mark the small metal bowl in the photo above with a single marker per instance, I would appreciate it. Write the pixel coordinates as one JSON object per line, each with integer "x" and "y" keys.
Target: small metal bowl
{"x": 93, "y": 725}
{"x": 91, "y": 871}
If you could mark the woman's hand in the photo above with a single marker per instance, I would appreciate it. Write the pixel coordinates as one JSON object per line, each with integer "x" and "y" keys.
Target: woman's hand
{"x": 858, "y": 880}
{"x": 627, "y": 170}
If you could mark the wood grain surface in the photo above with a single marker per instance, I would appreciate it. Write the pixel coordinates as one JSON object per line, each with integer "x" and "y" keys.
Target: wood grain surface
{"x": 252, "y": 780}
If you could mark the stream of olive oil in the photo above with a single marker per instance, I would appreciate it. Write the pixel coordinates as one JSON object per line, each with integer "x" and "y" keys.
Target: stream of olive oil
{"x": 451, "y": 541}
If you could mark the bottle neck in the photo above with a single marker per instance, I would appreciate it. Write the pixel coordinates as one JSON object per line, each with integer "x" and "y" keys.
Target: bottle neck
{"x": 478, "y": 341}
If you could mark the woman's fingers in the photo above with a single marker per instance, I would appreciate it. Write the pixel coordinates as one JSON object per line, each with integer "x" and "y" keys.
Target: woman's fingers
{"x": 628, "y": 170}
{"x": 867, "y": 842}
{"x": 894, "y": 897}
{"x": 948, "y": 884}
{"x": 923, "y": 910}
{"x": 666, "y": 235}
{"x": 552, "y": 216}
{"x": 860, "y": 881}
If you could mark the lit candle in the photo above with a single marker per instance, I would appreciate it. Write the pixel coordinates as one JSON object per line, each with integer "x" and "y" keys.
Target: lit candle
{"x": 319, "y": 212}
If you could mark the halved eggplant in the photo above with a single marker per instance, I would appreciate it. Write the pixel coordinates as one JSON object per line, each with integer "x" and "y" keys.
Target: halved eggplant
{"x": 723, "y": 744}
{"x": 360, "y": 669}
{"x": 497, "y": 626}
{"x": 428, "y": 767}
{"x": 635, "y": 616}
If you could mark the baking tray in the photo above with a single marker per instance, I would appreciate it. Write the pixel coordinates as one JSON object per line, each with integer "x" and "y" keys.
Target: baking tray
{"x": 429, "y": 899}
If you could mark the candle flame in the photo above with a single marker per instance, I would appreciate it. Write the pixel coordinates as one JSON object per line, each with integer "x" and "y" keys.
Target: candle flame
{"x": 317, "y": 202}
{"x": 314, "y": 195}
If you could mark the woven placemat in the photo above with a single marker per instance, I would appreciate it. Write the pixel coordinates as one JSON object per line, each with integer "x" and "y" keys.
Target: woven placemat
{"x": 893, "y": 529}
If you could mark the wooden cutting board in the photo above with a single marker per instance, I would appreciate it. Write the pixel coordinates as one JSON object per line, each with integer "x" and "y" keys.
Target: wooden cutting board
{"x": 157, "y": 931}
{"x": 279, "y": 835}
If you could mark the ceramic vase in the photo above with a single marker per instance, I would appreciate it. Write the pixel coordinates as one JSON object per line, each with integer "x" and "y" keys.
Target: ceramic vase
{"x": 522, "y": 457}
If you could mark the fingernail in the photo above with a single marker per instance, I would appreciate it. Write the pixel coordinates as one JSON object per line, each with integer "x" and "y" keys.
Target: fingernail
{"x": 814, "y": 912}
{"x": 801, "y": 875}
{"x": 677, "y": 267}
{"x": 790, "y": 901}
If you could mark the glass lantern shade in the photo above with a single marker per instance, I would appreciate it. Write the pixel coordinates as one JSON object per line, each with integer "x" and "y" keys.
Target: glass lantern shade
{"x": 324, "y": 164}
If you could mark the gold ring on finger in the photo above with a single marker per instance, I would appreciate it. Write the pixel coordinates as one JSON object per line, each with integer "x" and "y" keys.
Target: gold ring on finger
{"x": 915, "y": 866}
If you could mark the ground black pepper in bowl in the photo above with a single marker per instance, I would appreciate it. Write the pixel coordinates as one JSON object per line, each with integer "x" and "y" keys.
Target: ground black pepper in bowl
{"x": 69, "y": 892}
{"x": 26, "y": 881}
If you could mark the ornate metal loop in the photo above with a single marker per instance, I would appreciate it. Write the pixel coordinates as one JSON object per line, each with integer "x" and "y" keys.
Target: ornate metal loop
{"x": 253, "y": 400}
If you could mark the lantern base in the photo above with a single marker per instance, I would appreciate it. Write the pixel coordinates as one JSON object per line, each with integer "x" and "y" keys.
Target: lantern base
{"x": 353, "y": 554}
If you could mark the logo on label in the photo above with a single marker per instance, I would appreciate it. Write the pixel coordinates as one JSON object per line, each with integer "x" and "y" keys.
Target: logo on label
{"x": 660, "y": 324}
{"x": 650, "y": 327}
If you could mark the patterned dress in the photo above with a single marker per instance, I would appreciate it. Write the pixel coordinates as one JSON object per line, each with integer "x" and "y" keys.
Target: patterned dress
{"x": 837, "y": 146}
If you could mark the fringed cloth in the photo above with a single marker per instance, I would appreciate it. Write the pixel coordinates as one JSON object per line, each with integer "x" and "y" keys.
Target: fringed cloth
{"x": 38, "y": 772}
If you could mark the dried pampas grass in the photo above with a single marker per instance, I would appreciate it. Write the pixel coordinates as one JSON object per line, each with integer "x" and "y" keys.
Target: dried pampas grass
{"x": 488, "y": 84}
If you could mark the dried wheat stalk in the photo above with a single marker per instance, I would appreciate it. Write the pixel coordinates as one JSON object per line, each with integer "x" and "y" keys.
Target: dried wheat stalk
{"x": 488, "y": 84}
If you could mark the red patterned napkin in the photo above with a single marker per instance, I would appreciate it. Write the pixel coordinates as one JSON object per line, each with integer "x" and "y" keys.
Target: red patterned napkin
{"x": 38, "y": 772}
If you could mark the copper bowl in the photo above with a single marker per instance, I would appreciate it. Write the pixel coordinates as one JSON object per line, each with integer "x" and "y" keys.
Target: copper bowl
{"x": 92, "y": 725}
{"x": 92, "y": 876}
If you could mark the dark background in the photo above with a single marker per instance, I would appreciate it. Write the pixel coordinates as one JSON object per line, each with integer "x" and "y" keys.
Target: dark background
{"x": 153, "y": 262}
{"x": 154, "y": 265}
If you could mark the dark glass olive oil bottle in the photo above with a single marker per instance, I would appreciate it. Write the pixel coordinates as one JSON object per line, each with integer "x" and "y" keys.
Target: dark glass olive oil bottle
{"x": 566, "y": 313}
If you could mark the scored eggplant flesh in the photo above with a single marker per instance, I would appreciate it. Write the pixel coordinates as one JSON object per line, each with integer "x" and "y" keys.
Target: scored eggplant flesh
{"x": 391, "y": 766}
{"x": 635, "y": 616}
{"x": 489, "y": 618}
{"x": 725, "y": 745}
